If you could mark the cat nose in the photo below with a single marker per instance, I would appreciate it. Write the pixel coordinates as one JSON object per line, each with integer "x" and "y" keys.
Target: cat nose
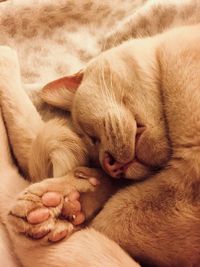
{"x": 114, "y": 168}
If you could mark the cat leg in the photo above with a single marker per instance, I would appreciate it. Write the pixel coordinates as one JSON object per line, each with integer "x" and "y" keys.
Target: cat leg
{"x": 7, "y": 256}
{"x": 86, "y": 248}
{"x": 156, "y": 221}
{"x": 11, "y": 183}
{"x": 22, "y": 119}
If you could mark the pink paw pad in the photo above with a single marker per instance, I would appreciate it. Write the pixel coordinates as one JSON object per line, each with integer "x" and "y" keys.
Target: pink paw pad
{"x": 38, "y": 216}
{"x": 51, "y": 199}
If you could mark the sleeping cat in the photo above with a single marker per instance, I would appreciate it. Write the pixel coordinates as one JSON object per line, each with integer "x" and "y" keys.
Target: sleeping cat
{"x": 116, "y": 169}
{"x": 138, "y": 106}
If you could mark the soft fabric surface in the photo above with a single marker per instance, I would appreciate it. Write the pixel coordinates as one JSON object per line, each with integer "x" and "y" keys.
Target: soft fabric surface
{"x": 55, "y": 38}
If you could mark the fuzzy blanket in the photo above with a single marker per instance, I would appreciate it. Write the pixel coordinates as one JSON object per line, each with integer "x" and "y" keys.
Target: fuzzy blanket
{"x": 55, "y": 38}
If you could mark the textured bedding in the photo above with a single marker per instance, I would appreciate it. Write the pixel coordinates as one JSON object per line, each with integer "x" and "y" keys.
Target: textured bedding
{"x": 55, "y": 38}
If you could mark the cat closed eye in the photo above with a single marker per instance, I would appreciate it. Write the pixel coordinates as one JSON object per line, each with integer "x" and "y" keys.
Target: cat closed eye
{"x": 94, "y": 140}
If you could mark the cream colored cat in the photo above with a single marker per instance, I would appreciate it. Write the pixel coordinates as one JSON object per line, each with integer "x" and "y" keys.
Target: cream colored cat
{"x": 138, "y": 106}
{"x": 141, "y": 169}
{"x": 23, "y": 219}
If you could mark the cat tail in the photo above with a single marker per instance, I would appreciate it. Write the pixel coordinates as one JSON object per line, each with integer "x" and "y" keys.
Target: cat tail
{"x": 55, "y": 151}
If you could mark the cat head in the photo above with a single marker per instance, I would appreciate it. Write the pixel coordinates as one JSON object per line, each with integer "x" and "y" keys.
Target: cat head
{"x": 117, "y": 108}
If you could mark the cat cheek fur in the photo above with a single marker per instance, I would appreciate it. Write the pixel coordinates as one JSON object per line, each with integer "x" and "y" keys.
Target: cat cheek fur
{"x": 157, "y": 146}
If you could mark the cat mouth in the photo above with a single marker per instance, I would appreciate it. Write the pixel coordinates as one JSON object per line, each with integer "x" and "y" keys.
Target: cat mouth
{"x": 140, "y": 130}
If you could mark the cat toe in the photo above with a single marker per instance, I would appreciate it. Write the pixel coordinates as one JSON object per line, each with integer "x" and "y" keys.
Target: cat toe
{"x": 62, "y": 230}
{"x": 51, "y": 199}
{"x": 38, "y": 216}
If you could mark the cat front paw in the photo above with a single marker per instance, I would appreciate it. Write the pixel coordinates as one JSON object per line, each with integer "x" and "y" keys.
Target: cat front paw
{"x": 50, "y": 210}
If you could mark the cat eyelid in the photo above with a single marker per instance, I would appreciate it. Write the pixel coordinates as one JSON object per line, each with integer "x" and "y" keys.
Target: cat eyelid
{"x": 95, "y": 140}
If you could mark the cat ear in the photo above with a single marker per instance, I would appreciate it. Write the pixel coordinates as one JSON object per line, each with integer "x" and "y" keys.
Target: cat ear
{"x": 60, "y": 93}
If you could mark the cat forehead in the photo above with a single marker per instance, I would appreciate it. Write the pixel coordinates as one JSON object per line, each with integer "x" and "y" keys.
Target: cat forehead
{"x": 102, "y": 79}
{"x": 112, "y": 68}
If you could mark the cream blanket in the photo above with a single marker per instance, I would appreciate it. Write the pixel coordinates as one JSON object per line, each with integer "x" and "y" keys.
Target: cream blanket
{"x": 55, "y": 38}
